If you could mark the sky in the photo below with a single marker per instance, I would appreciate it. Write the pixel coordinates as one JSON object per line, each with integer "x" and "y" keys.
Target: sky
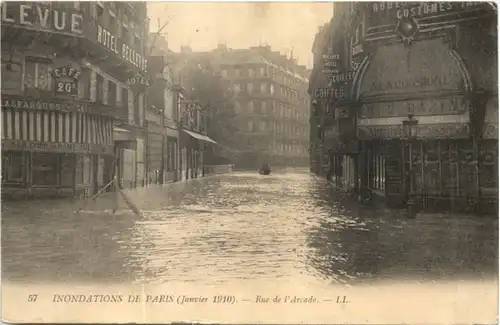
{"x": 285, "y": 26}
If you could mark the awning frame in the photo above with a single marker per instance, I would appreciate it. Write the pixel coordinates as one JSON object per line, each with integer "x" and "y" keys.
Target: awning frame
{"x": 199, "y": 136}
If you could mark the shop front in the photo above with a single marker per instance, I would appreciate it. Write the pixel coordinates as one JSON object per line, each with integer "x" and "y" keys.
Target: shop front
{"x": 54, "y": 148}
{"x": 414, "y": 126}
{"x": 192, "y": 145}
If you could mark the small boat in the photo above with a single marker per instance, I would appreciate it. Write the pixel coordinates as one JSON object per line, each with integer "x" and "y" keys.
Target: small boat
{"x": 265, "y": 170}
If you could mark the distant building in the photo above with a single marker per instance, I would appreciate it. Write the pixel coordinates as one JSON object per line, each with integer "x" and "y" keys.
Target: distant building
{"x": 270, "y": 99}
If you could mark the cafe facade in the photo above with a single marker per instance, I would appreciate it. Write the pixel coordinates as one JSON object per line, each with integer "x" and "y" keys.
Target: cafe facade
{"x": 426, "y": 98}
{"x": 62, "y": 102}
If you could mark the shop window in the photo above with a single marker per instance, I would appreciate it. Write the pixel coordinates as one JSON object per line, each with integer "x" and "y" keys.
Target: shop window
{"x": 13, "y": 167}
{"x": 488, "y": 168}
{"x": 11, "y": 72}
{"x": 467, "y": 169}
{"x": 44, "y": 167}
{"x": 431, "y": 167}
{"x": 67, "y": 167}
{"x": 37, "y": 74}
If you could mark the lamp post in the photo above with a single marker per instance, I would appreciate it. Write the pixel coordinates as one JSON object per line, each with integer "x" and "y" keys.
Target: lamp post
{"x": 408, "y": 127}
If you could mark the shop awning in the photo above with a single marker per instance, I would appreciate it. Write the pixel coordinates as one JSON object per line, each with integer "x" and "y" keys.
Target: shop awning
{"x": 199, "y": 136}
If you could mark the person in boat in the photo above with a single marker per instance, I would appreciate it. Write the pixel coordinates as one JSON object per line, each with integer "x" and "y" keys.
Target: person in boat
{"x": 265, "y": 169}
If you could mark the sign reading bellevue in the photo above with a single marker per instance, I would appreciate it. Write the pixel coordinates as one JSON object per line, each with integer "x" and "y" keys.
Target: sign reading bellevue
{"x": 32, "y": 14}
{"x": 117, "y": 46}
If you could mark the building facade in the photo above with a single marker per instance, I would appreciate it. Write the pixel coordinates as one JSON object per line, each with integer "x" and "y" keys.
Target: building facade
{"x": 421, "y": 102}
{"x": 272, "y": 101}
{"x": 64, "y": 91}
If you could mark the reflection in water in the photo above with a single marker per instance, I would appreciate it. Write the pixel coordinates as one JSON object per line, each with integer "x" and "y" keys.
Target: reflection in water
{"x": 241, "y": 226}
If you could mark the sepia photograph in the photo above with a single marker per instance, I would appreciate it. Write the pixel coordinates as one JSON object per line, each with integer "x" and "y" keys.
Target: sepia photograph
{"x": 249, "y": 162}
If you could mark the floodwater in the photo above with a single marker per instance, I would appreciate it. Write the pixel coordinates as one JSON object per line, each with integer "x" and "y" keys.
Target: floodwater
{"x": 228, "y": 228}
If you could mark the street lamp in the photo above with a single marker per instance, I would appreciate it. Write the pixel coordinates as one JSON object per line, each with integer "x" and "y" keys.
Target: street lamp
{"x": 409, "y": 128}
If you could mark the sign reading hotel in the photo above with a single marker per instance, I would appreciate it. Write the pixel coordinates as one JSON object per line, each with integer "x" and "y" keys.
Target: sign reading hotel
{"x": 331, "y": 63}
{"x": 66, "y": 80}
{"x": 40, "y": 16}
{"x": 118, "y": 47}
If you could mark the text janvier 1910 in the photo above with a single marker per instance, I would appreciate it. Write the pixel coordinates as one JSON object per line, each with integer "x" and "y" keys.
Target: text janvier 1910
{"x": 187, "y": 299}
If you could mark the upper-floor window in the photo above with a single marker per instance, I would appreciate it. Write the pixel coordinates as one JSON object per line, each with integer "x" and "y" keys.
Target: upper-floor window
{"x": 237, "y": 72}
{"x": 250, "y": 72}
{"x": 262, "y": 71}
{"x": 76, "y": 5}
{"x": 237, "y": 88}
{"x": 12, "y": 70}
{"x": 38, "y": 74}
{"x": 272, "y": 89}
{"x": 263, "y": 87}
{"x": 250, "y": 106}
{"x": 99, "y": 88}
{"x": 224, "y": 73}
{"x": 250, "y": 87}
{"x": 264, "y": 107}
{"x": 111, "y": 93}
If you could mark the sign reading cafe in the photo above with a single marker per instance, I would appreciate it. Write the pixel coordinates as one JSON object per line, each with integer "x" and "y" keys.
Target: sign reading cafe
{"x": 66, "y": 80}
{"x": 117, "y": 46}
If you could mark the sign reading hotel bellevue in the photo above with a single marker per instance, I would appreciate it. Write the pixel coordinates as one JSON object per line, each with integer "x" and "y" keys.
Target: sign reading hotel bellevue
{"x": 122, "y": 50}
{"x": 65, "y": 147}
{"x": 41, "y": 16}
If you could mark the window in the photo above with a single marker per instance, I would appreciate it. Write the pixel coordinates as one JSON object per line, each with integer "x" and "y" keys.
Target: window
{"x": 13, "y": 166}
{"x": 224, "y": 73}
{"x": 272, "y": 89}
{"x": 125, "y": 35}
{"x": 125, "y": 98}
{"x": 250, "y": 87}
{"x": 237, "y": 88}
{"x": 44, "y": 168}
{"x": 262, "y": 71}
{"x": 237, "y": 72}
{"x": 111, "y": 93}
{"x": 250, "y": 72}
{"x": 263, "y": 87}
{"x": 99, "y": 88}
{"x": 250, "y": 126}
{"x": 250, "y": 106}
{"x": 38, "y": 75}
{"x": 11, "y": 73}
{"x": 264, "y": 107}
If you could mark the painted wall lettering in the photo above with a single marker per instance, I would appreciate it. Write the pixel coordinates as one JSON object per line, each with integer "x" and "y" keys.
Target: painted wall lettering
{"x": 437, "y": 106}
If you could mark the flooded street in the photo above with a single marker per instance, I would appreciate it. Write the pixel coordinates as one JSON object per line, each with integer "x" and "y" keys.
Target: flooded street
{"x": 241, "y": 226}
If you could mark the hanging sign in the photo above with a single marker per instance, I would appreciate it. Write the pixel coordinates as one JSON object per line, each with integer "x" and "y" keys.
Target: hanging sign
{"x": 66, "y": 80}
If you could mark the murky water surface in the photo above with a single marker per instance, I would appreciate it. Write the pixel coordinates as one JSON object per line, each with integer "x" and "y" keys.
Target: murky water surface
{"x": 241, "y": 226}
